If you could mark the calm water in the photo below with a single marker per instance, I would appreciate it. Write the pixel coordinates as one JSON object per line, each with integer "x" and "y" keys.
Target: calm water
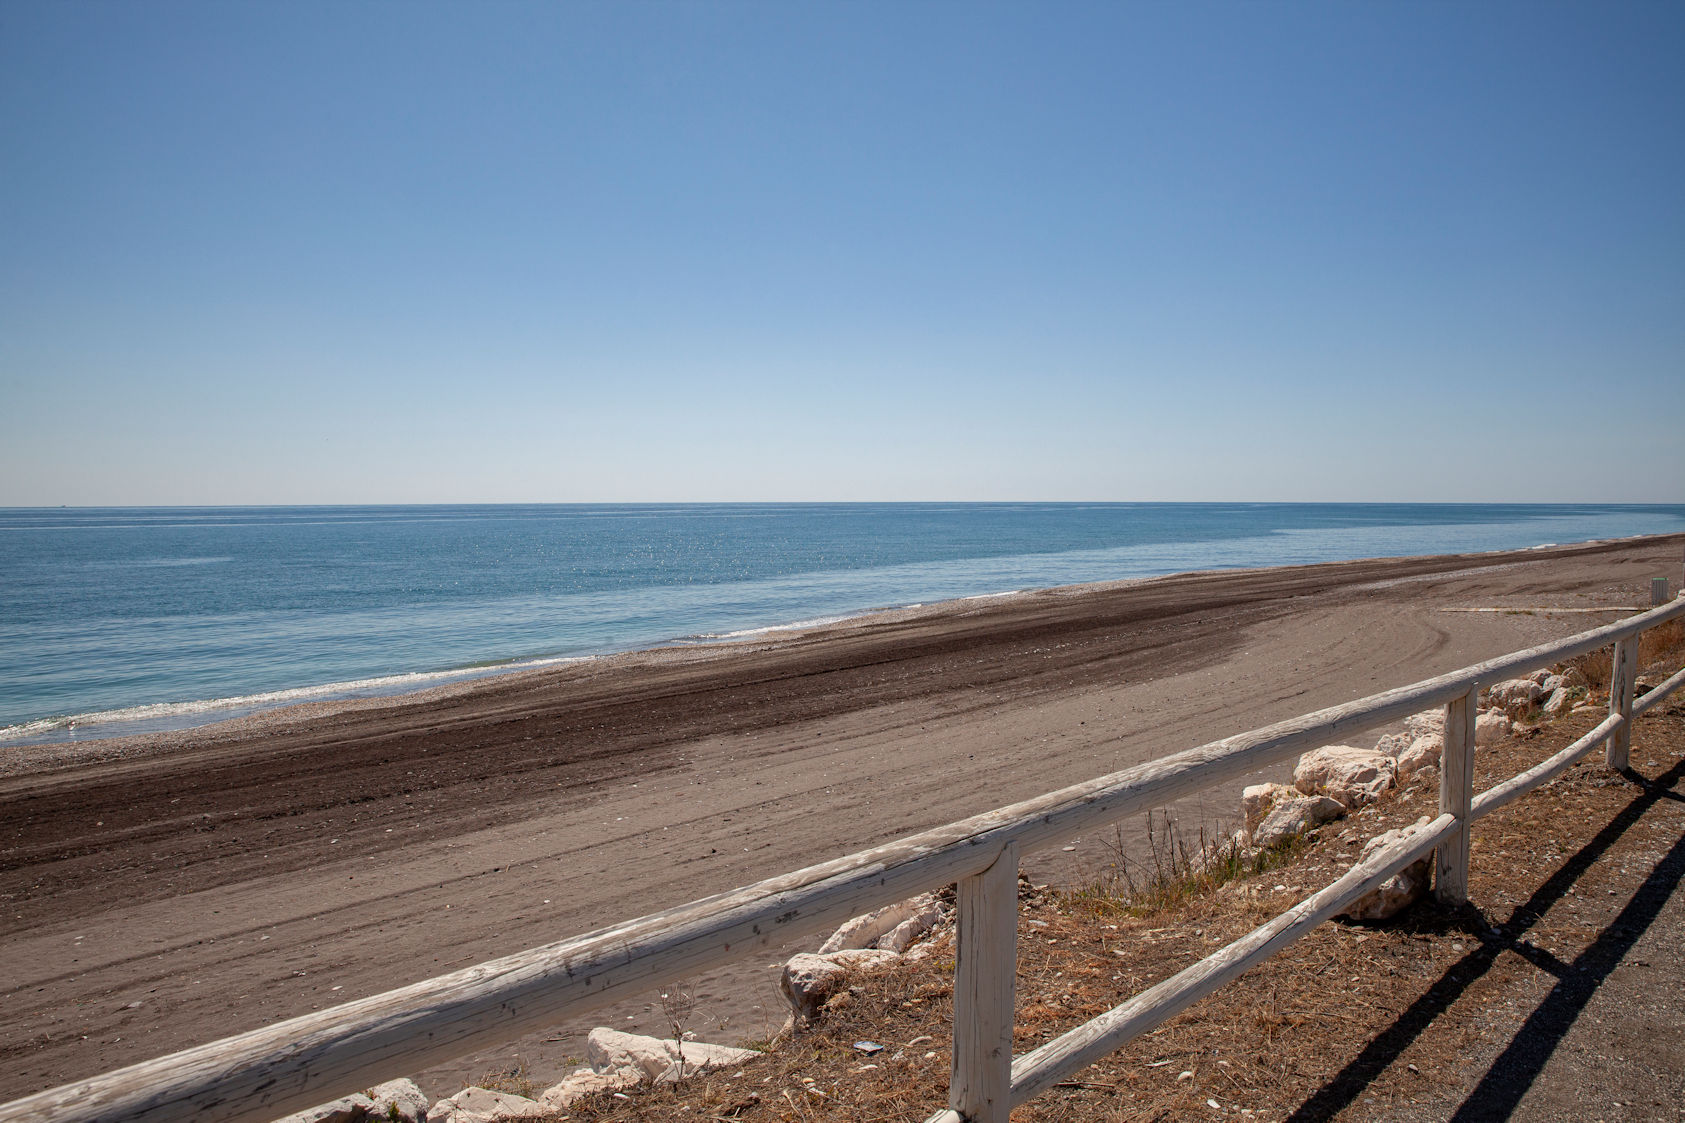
{"x": 147, "y": 618}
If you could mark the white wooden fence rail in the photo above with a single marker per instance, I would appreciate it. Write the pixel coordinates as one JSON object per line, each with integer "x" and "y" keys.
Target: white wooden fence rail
{"x": 308, "y": 1060}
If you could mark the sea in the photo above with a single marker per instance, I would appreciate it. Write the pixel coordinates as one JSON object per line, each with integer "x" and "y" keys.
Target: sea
{"x": 117, "y": 621}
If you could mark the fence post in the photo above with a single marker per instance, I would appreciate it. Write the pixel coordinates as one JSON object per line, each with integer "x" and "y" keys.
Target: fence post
{"x": 1623, "y": 675}
{"x": 985, "y": 986}
{"x": 1456, "y": 794}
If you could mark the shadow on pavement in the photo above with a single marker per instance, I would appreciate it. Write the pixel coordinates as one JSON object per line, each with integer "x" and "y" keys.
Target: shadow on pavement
{"x": 1514, "y": 1071}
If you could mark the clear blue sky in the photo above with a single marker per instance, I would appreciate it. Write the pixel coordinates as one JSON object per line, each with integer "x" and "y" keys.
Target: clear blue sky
{"x": 327, "y": 252}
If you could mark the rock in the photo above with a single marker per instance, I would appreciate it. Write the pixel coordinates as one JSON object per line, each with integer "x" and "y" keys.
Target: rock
{"x": 1356, "y": 777}
{"x": 351, "y": 1109}
{"x": 1541, "y": 677}
{"x": 1428, "y": 723}
{"x": 1399, "y": 891}
{"x": 1424, "y": 752}
{"x": 1490, "y": 726}
{"x": 578, "y": 1085}
{"x": 1514, "y": 696}
{"x": 1292, "y": 817}
{"x": 405, "y": 1095}
{"x": 865, "y": 931}
{"x": 808, "y": 979}
{"x": 1573, "y": 676}
{"x": 1560, "y": 702}
{"x": 1257, "y": 799}
{"x": 482, "y": 1105}
{"x": 1394, "y": 743}
{"x": 1550, "y": 685}
{"x": 612, "y": 1052}
{"x": 902, "y": 936}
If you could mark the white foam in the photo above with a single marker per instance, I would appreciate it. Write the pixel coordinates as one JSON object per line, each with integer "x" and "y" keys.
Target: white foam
{"x": 795, "y": 626}
{"x": 992, "y": 596}
{"x": 163, "y": 714}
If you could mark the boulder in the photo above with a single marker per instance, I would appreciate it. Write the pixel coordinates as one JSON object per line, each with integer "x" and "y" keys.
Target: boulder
{"x": 405, "y": 1096}
{"x": 1356, "y": 777}
{"x": 1550, "y": 685}
{"x": 350, "y": 1109}
{"x": 611, "y": 1052}
{"x": 1561, "y": 700}
{"x": 1257, "y": 799}
{"x": 1424, "y": 752}
{"x": 809, "y": 979}
{"x": 1294, "y": 816}
{"x": 1573, "y": 676}
{"x": 907, "y": 920}
{"x": 1541, "y": 677}
{"x": 1490, "y": 726}
{"x": 1514, "y": 696}
{"x": 578, "y": 1085}
{"x": 903, "y": 935}
{"x": 1428, "y": 723}
{"x": 482, "y": 1105}
{"x": 1400, "y": 890}
{"x": 1394, "y": 743}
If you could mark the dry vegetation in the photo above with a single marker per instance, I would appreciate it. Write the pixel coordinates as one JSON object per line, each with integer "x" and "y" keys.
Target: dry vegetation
{"x": 1352, "y": 1022}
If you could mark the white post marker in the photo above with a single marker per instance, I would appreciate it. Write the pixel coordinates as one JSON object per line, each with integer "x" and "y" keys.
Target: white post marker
{"x": 1456, "y": 795}
{"x": 1623, "y": 675}
{"x": 985, "y": 987}
{"x": 1658, "y": 590}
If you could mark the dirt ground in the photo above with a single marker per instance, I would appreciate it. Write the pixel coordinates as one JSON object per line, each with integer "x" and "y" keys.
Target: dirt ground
{"x": 162, "y": 892}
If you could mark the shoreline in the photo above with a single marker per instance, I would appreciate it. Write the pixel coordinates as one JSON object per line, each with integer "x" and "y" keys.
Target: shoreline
{"x": 285, "y": 708}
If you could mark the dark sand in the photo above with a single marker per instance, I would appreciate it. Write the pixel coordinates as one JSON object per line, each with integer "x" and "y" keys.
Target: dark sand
{"x": 165, "y": 891}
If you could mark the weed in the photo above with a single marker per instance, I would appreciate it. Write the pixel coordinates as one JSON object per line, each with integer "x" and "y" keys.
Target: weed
{"x": 514, "y": 1081}
{"x": 1176, "y": 870}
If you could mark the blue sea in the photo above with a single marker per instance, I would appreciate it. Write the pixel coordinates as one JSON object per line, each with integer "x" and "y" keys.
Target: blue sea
{"x": 134, "y": 619}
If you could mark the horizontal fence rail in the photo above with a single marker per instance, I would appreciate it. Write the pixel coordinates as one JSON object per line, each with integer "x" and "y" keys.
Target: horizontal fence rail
{"x": 316, "y": 1057}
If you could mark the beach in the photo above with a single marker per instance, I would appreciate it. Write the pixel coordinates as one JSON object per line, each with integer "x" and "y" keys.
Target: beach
{"x": 165, "y": 890}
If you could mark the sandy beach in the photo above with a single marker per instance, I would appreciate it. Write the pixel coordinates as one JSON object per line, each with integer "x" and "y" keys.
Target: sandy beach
{"x": 167, "y": 890}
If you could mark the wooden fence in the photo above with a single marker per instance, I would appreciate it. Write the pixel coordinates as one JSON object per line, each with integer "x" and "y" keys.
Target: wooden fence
{"x": 308, "y": 1060}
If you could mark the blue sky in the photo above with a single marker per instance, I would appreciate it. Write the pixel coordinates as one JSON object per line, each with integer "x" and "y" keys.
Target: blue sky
{"x": 296, "y": 252}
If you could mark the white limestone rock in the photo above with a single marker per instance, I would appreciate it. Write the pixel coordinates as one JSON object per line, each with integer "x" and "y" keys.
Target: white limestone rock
{"x": 584, "y": 1082}
{"x": 1394, "y": 743}
{"x": 1490, "y": 726}
{"x": 1560, "y": 702}
{"x": 1424, "y": 752}
{"x": 905, "y": 920}
{"x": 1257, "y": 799}
{"x": 613, "y": 1053}
{"x": 350, "y": 1109}
{"x": 1402, "y": 889}
{"x": 1356, "y": 777}
{"x": 1573, "y": 677}
{"x": 809, "y": 979}
{"x": 1514, "y": 696}
{"x": 915, "y": 927}
{"x": 1428, "y": 723}
{"x": 405, "y": 1095}
{"x": 482, "y": 1105}
{"x": 1292, "y": 817}
{"x": 1541, "y": 677}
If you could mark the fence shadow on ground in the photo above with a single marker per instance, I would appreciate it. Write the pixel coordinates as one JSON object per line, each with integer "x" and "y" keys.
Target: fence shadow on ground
{"x": 1513, "y": 1072}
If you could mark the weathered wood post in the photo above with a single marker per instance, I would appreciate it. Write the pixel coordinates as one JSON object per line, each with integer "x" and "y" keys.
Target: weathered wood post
{"x": 1456, "y": 794}
{"x": 1658, "y": 590}
{"x": 985, "y": 986}
{"x": 1623, "y": 675}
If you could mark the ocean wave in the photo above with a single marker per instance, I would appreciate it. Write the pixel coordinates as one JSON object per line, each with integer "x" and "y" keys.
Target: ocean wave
{"x": 794, "y": 626}
{"x": 155, "y": 716}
